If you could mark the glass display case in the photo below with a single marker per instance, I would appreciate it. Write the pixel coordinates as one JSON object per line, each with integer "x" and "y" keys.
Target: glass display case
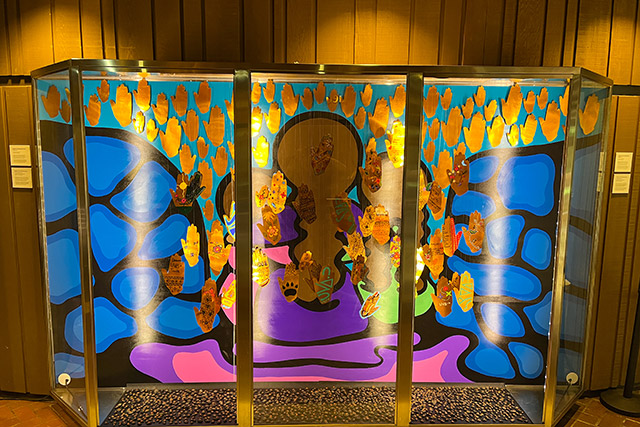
{"x": 310, "y": 244}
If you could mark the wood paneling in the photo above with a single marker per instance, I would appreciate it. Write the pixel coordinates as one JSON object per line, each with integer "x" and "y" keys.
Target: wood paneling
{"x": 554, "y": 33}
{"x": 335, "y": 36}
{"x": 167, "y": 30}
{"x": 5, "y": 61}
{"x": 91, "y": 23}
{"x": 280, "y": 31}
{"x": 108, "y": 29}
{"x": 450, "y": 34}
{"x": 425, "y": 33}
{"x": 529, "y": 33}
{"x": 223, "y": 24}
{"x": 134, "y": 29}
{"x": 258, "y": 22}
{"x": 570, "y": 26}
{"x": 192, "y": 19}
{"x": 474, "y": 32}
{"x": 393, "y": 26}
{"x": 67, "y": 41}
{"x": 493, "y": 33}
{"x": 365, "y": 26}
{"x": 593, "y": 35}
{"x": 35, "y": 39}
{"x": 301, "y": 21}
{"x": 509, "y": 31}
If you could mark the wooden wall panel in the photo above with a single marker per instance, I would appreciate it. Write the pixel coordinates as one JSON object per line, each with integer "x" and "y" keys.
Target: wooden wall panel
{"x": 593, "y": 35}
{"x": 425, "y": 32}
{"x": 223, "y": 23}
{"x": 167, "y": 30}
{"x": 393, "y": 28}
{"x": 109, "y": 47}
{"x": 12, "y": 374}
{"x": 280, "y": 31}
{"x": 450, "y": 35}
{"x": 554, "y": 33}
{"x": 365, "y": 30}
{"x": 20, "y": 130}
{"x": 301, "y": 21}
{"x": 509, "y": 31}
{"x": 35, "y": 35}
{"x": 335, "y": 36}
{"x": 493, "y": 33}
{"x": 192, "y": 19}
{"x": 5, "y": 59}
{"x": 91, "y": 22}
{"x": 474, "y": 32}
{"x": 529, "y": 33}
{"x": 635, "y": 68}
{"x": 622, "y": 36}
{"x": 134, "y": 29}
{"x": 610, "y": 292}
{"x": 258, "y": 23}
{"x": 66, "y": 30}
{"x": 570, "y": 26}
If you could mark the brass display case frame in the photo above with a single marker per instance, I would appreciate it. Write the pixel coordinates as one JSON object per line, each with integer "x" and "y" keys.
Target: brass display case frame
{"x": 241, "y": 72}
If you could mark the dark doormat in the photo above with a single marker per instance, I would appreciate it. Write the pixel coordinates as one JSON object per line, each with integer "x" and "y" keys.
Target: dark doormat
{"x": 465, "y": 405}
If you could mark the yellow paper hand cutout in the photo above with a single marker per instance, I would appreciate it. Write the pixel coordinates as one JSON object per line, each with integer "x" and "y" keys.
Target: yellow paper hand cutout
{"x": 171, "y": 139}
{"x": 550, "y": 124}
{"x": 333, "y": 100}
{"x": 319, "y": 93}
{"x": 359, "y": 118}
{"x": 269, "y": 91}
{"x": 191, "y": 246}
{"x": 256, "y": 121}
{"x": 230, "y": 111}
{"x": 474, "y": 134}
{"x": 307, "y": 98}
{"x": 143, "y": 95}
{"x": 589, "y": 116}
{"x": 366, "y": 94}
{"x": 528, "y": 130}
{"x": 216, "y": 249}
{"x": 231, "y": 148}
{"x": 430, "y": 103}
{"x": 138, "y": 122}
{"x": 395, "y": 144}
{"x": 397, "y": 101}
{"x": 490, "y": 110}
{"x": 215, "y": 127}
{"x": 529, "y": 102}
{"x": 273, "y": 118}
{"x": 261, "y": 152}
{"x": 203, "y": 97}
{"x": 103, "y": 91}
{"x": 378, "y": 121}
{"x": 180, "y": 100}
{"x": 543, "y": 98}
{"x": 445, "y": 100}
{"x": 289, "y": 100}
{"x": 464, "y": 295}
{"x": 187, "y": 161}
{"x": 479, "y": 96}
{"x": 220, "y": 161}
{"x": 348, "y": 103}
{"x": 256, "y": 92}
{"x": 207, "y": 179}
{"x": 467, "y": 108}
{"x": 161, "y": 109}
{"x": 65, "y": 111}
{"x": 191, "y": 125}
{"x": 355, "y": 247}
{"x": 564, "y": 101}
{"x": 152, "y": 130}
{"x": 495, "y": 131}
{"x": 203, "y": 148}
{"x": 514, "y": 135}
{"x": 451, "y": 130}
{"x": 440, "y": 173}
{"x": 261, "y": 271}
{"x": 511, "y": 106}
{"x": 92, "y": 111}
{"x": 121, "y": 107}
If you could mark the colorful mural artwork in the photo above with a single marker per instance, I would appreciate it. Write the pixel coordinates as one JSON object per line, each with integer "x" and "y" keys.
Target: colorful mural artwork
{"x": 328, "y": 159}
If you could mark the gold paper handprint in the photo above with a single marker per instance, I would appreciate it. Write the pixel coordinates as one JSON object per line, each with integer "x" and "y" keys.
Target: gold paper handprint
{"x": 261, "y": 152}
{"x": 277, "y": 192}
{"x": 232, "y": 148}
{"x": 495, "y": 131}
{"x": 171, "y": 139}
{"x": 180, "y": 100}
{"x": 203, "y": 148}
{"x": 203, "y": 97}
{"x": 161, "y": 109}
{"x": 434, "y": 129}
{"x": 138, "y": 122}
{"x": 359, "y": 118}
{"x": 230, "y": 112}
{"x": 528, "y": 130}
{"x": 256, "y": 121}
{"x": 307, "y": 98}
{"x": 543, "y": 98}
{"x": 220, "y": 161}
{"x": 464, "y": 295}
{"x": 514, "y": 135}
{"x": 445, "y": 100}
{"x": 207, "y": 179}
{"x": 367, "y": 220}
{"x": 348, "y": 102}
{"x": 395, "y": 144}
{"x": 433, "y": 253}
{"x": 366, "y": 94}
{"x": 475, "y": 235}
{"x": 273, "y": 118}
{"x": 289, "y": 101}
{"x": 429, "y": 152}
{"x": 564, "y": 101}
{"x": 479, "y": 96}
{"x": 333, "y": 100}
{"x": 378, "y": 121}
{"x": 218, "y": 252}
{"x": 121, "y": 107}
{"x": 208, "y": 210}
{"x": 143, "y": 95}
{"x": 550, "y": 124}
{"x": 443, "y": 297}
{"x": 355, "y": 247}
{"x": 436, "y": 200}
{"x": 65, "y": 111}
{"x": 474, "y": 134}
{"x": 397, "y": 101}
{"x": 430, "y": 103}
{"x": 270, "y": 227}
{"x": 92, "y": 111}
{"x": 529, "y": 102}
{"x": 103, "y": 91}
{"x": 467, "y": 108}
{"x": 261, "y": 271}
{"x": 511, "y": 106}
{"x": 51, "y": 101}
{"x": 152, "y": 130}
{"x": 210, "y": 303}
{"x": 269, "y": 91}
{"x": 319, "y": 93}
{"x": 191, "y": 126}
{"x": 490, "y": 110}
{"x": 215, "y": 127}
{"x": 191, "y": 246}
{"x": 451, "y": 130}
{"x": 440, "y": 173}
{"x": 174, "y": 277}
{"x": 187, "y": 161}
{"x": 589, "y": 116}
{"x": 256, "y": 92}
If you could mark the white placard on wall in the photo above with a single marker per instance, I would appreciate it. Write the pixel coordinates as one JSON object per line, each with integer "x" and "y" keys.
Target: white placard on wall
{"x": 621, "y": 183}
{"x": 624, "y": 162}
{"x": 20, "y": 155}
{"x": 21, "y": 178}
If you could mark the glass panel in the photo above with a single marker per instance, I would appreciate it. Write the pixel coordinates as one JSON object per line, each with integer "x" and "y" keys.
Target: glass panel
{"x": 489, "y": 191}
{"x": 581, "y": 239}
{"x": 60, "y": 243}
{"x": 162, "y": 217}
{"x": 328, "y": 157}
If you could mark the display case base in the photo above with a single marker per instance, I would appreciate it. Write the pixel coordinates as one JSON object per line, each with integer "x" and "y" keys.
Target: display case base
{"x": 614, "y": 399}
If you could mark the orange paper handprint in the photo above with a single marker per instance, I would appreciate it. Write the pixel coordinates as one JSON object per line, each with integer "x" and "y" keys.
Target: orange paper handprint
{"x": 333, "y": 100}
{"x": 161, "y": 109}
{"x": 358, "y": 119}
{"x": 378, "y": 121}
{"x": 348, "y": 102}
{"x": 92, "y": 111}
{"x": 467, "y": 108}
{"x": 203, "y": 97}
{"x": 152, "y": 130}
{"x": 220, "y": 161}
{"x": 103, "y": 91}
{"x": 187, "y": 161}
{"x": 51, "y": 101}
{"x": 529, "y": 102}
{"x": 474, "y": 134}
{"x": 218, "y": 252}
{"x": 215, "y": 127}
{"x": 230, "y": 112}
{"x": 451, "y": 130}
{"x": 511, "y": 106}
{"x": 191, "y": 125}
{"x": 180, "y": 100}
{"x": 495, "y": 131}
{"x": 589, "y": 116}
{"x": 273, "y": 118}
{"x": 430, "y": 102}
{"x": 289, "y": 100}
{"x": 319, "y": 92}
{"x": 528, "y": 130}
{"x": 550, "y": 124}
{"x": 269, "y": 91}
{"x": 307, "y": 98}
{"x": 171, "y": 139}
{"x": 121, "y": 107}
{"x": 366, "y": 94}
{"x": 397, "y": 101}
{"x": 143, "y": 95}
{"x": 474, "y": 236}
{"x": 440, "y": 173}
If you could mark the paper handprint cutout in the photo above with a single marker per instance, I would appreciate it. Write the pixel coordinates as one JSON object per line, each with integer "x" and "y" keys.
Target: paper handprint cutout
{"x": 342, "y": 215}
{"x": 359, "y": 270}
{"x": 324, "y": 285}
{"x": 187, "y": 190}
{"x": 436, "y": 200}
{"x": 305, "y": 204}
{"x": 209, "y": 306}
{"x": 372, "y": 173}
{"x": 289, "y": 286}
{"x": 367, "y": 221}
{"x": 270, "y": 227}
{"x": 174, "y": 277}
{"x": 475, "y": 235}
{"x": 370, "y": 305}
{"x": 277, "y": 192}
{"x": 433, "y": 253}
{"x": 464, "y": 293}
{"x": 459, "y": 177}
{"x": 381, "y": 225}
{"x": 443, "y": 297}
{"x": 218, "y": 252}
{"x": 356, "y": 246}
{"x": 450, "y": 239}
{"x": 321, "y": 155}
{"x": 261, "y": 272}
{"x": 191, "y": 246}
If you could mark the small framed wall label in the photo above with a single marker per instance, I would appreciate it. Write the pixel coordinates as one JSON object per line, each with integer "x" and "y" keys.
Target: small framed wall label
{"x": 21, "y": 178}
{"x": 624, "y": 162}
{"x": 621, "y": 183}
{"x": 20, "y": 155}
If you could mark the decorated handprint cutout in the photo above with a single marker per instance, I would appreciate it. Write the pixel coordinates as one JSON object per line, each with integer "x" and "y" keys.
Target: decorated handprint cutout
{"x": 261, "y": 272}
{"x": 305, "y": 204}
{"x": 210, "y": 303}
{"x": 218, "y": 252}
{"x": 436, "y": 200}
{"x": 443, "y": 297}
{"x": 321, "y": 155}
{"x": 395, "y": 144}
{"x": 289, "y": 286}
{"x": 230, "y": 221}
{"x": 359, "y": 270}
{"x": 356, "y": 246}
{"x": 324, "y": 285}
{"x": 174, "y": 276}
{"x": 277, "y": 192}
{"x": 372, "y": 173}
{"x": 394, "y": 251}
{"x": 474, "y": 236}
{"x": 367, "y": 220}
{"x": 450, "y": 239}
{"x": 341, "y": 213}
{"x": 459, "y": 177}
{"x": 191, "y": 246}
{"x": 464, "y": 295}
{"x": 333, "y": 100}
{"x": 370, "y": 305}
{"x": 229, "y": 296}
{"x": 187, "y": 189}
{"x": 433, "y": 253}
{"x": 381, "y": 226}
{"x": 270, "y": 227}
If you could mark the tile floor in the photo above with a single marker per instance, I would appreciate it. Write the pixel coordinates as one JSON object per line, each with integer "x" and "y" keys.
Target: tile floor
{"x": 586, "y": 412}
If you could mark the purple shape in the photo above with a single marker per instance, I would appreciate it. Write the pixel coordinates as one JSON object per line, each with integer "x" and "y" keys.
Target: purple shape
{"x": 454, "y": 345}
{"x": 360, "y": 351}
{"x": 356, "y": 213}
{"x": 287, "y": 231}
{"x": 287, "y": 321}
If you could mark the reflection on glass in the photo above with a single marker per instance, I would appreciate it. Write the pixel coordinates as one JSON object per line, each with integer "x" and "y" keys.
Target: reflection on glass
{"x": 327, "y": 177}
{"x": 489, "y": 190}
